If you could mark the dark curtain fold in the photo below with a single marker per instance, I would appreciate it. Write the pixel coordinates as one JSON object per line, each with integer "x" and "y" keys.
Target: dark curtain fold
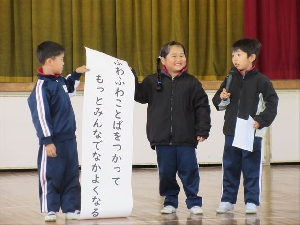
{"x": 51, "y": 20}
{"x": 15, "y": 41}
{"x": 276, "y": 24}
{"x": 132, "y": 30}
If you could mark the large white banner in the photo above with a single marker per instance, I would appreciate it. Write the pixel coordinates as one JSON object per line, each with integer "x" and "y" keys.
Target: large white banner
{"x": 107, "y": 138}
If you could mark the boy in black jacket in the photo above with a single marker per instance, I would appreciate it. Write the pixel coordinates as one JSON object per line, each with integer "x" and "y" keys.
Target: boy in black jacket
{"x": 250, "y": 94}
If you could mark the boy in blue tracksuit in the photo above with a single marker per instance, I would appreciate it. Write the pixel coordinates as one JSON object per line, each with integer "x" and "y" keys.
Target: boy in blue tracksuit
{"x": 249, "y": 94}
{"x": 54, "y": 120}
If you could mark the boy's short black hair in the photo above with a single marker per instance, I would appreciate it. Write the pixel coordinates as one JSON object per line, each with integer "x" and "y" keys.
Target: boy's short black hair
{"x": 48, "y": 49}
{"x": 248, "y": 45}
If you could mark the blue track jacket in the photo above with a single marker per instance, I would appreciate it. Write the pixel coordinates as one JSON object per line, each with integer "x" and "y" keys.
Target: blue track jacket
{"x": 51, "y": 109}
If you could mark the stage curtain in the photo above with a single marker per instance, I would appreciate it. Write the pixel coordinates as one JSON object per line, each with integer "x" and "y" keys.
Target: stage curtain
{"x": 15, "y": 41}
{"x": 276, "y": 24}
{"x": 132, "y": 30}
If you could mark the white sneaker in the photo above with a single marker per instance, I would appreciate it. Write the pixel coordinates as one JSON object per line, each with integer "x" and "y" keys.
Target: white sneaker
{"x": 168, "y": 209}
{"x": 225, "y": 207}
{"x": 250, "y": 208}
{"x": 196, "y": 210}
{"x": 50, "y": 217}
{"x": 73, "y": 215}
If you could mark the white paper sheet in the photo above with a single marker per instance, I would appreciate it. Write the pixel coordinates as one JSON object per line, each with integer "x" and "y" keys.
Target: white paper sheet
{"x": 107, "y": 138}
{"x": 244, "y": 134}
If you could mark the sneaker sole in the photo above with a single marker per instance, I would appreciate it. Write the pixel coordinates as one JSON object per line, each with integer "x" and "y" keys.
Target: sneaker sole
{"x": 72, "y": 217}
{"x": 50, "y": 219}
{"x": 250, "y": 212}
{"x": 164, "y": 212}
{"x": 223, "y": 211}
{"x": 197, "y": 213}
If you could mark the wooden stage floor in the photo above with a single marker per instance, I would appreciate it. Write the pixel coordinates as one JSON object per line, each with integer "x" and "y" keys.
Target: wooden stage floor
{"x": 280, "y": 200}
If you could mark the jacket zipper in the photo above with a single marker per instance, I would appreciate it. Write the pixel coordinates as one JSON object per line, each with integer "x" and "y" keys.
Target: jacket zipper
{"x": 172, "y": 95}
{"x": 241, "y": 87}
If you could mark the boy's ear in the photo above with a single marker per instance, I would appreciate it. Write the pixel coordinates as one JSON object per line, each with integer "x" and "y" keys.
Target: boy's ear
{"x": 252, "y": 57}
{"x": 48, "y": 61}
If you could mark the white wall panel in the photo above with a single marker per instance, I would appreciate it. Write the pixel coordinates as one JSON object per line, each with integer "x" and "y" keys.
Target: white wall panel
{"x": 19, "y": 144}
{"x": 285, "y": 135}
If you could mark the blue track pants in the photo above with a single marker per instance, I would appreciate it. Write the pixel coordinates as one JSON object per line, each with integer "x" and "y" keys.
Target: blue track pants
{"x": 237, "y": 161}
{"x": 182, "y": 160}
{"x": 59, "y": 178}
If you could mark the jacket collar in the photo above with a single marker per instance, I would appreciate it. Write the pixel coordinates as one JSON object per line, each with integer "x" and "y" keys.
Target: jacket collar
{"x": 41, "y": 73}
{"x": 249, "y": 73}
{"x": 165, "y": 71}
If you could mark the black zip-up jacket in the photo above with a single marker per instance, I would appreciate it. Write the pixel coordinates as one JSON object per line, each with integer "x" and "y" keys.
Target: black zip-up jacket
{"x": 244, "y": 100}
{"x": 178, "y": 113}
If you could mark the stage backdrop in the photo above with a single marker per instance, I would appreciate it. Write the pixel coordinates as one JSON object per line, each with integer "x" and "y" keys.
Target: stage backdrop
{"x": 107, "y": 138}
{"x": 276, "y": 24}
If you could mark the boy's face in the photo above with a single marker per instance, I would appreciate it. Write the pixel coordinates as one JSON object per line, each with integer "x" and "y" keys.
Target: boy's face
{"x": 56, "y": 64}
{"x": 175, "y": 61}
{"x": 241, "y": 61}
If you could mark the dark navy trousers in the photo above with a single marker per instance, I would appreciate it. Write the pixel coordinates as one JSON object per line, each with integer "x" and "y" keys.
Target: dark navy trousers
{"x": 237, "y": 161}
{"x": 182, "y": 160}
{"x": 59, "y": 185}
